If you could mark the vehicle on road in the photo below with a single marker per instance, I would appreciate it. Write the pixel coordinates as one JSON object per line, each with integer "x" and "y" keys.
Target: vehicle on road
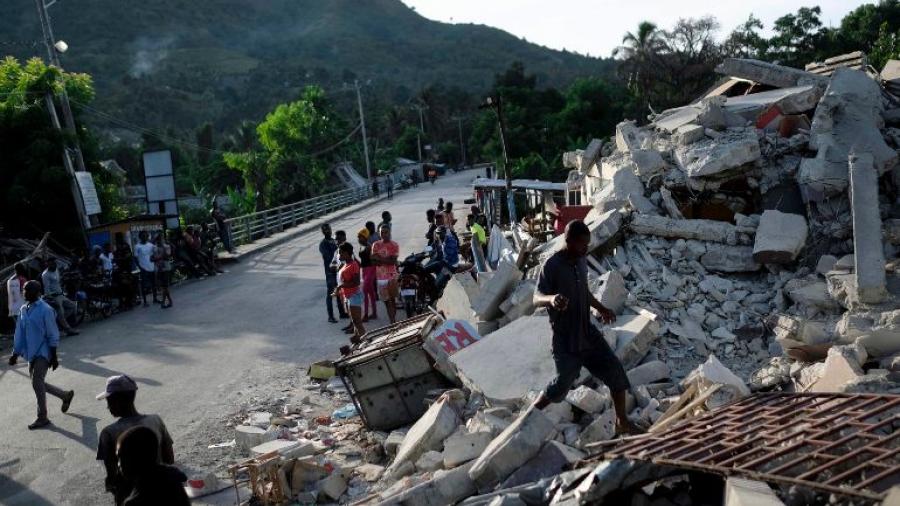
{"x": 418, "y": 288}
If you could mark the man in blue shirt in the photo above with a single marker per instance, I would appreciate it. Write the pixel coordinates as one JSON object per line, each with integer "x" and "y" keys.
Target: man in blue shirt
{"x": 36, "y": 340}
{"x": 446, "y": 256}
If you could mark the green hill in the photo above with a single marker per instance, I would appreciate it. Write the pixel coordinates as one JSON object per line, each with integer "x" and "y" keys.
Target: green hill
{"x": 177, "y": 63}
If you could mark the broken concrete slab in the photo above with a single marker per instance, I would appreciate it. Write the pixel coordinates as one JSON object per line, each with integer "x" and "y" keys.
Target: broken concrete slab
{"x": 649, "y": 372}
{"x": 553, "y": 459}
{"x": 248, "y": 436}
{"x": 590, "y": 155}
{"x": 521, "y": 441}
{"x": 445, "y": 487}
{"x": 369, "y": 472}
{"x": 703, "y": 230}
{"x": 520, "y": 302}
{"x": 430, "y": 461}
{"x": 612, "y": 292}
{"x": 780, "y": 237}
{"x": 428, "y": 433}
{"x": 825, "y": 264}
{"x": 688, "y": 134}
{"x": 281, "y": 446}
{"x": 588, "y": 400}
{"x": 510, "y": 362}
{"x": 486, "y": 422}
{"x": 839, "y": 370}
{"x": 634, "y": 335}
{"x": 624, "y": 188}
{"x": 456, "y": 301}
{"x": 767, "y": 73}
{"x": 741, "y": 492}
{"x": 711, "y": 157}
{"x": 871, "y": 281}
{"x": 793, "y": 100}
{"x": 602, "y": 428}
{"x": 648, "y": 162}
{"x": 486, "y": 304}
{"x": 628, "y": 136}
{"x": 726, "y": 258}
{"x": 462, "y": 447}
{"x": 811, "y": 294}
{"x": 848, "y": 117}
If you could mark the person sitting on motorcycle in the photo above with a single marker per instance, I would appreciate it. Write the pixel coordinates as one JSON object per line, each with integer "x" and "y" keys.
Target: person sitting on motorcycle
{"x": 445, "y": 264}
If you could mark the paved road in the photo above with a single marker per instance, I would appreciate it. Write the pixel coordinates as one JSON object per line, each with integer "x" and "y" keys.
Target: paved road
{"x": 194, "y": 362}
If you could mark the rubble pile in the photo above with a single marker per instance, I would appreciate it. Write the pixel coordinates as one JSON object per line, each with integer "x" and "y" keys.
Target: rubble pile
{"x": 746, "y": 243}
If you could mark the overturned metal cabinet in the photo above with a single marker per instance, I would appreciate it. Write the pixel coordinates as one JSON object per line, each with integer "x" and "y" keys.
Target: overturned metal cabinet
{"x": 389, "y": 374}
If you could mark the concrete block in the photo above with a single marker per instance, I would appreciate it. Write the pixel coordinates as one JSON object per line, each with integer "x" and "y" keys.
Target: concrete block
{"x": 590, "y": 155}
{"x": 634, "y": 335}
{"x": 814, "y": 295}
{"x": 485, "y": 422}
{"x": 622, "y": 189}
{"x": 248, "y": 436}
{"x": 741, "y": 492}
{"x": 648, "y": 162}
{"x": 612, "y": 292}
{"x": 688, "y": 134}
{"x": 430, "y": 461}
{"x": 840, "y": 369}
{"x": 701, "y": 230}
{"x": 553, "y": 459}
{"x": 393, "y": 441}
{"x": 486, "y": 304}
{"x": 282, "y": 446}
{"x": 628, "y": 136}
{"x": 779, "y": 238}
{"x": 603, "y": 428}
{"x": 871, "y": 282}
{"x": 456, "y": 302}
{"x": 825, "y": 264}
{"x": 445, "y": 487}
{"x": 588, "y": 400}
{"x": 730, "y": 259}
{"x": 767, "y": 73}
{"x": 510, "y": 362}
{"x": 369, "y": 472}
{"x": 428, "y": 433}
{"x": 463, "y": 447}
{"x": 650, "y": 372}
{"x": 793, "y": 100}
{"x": 734, "y": 149}
{"x": 334, "y": 485}
{"x": 521, "y": 441}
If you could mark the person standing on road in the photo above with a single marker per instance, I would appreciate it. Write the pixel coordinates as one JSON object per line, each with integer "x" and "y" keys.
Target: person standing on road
{"x": 162, "y": 257}
{"x": 384, "y": 256}
{"x": 449, "y": 219}
{"x": 373, "y": 232}
{"x": 370, "y": 297}
{"x": 222, "y": 227}
{"x": 563, "y": 289}
{"x": 385, "y": 221}
{"x": 350, "y": 290}
{"x": 327, "y": 248}
{"x": 340, "y": 238}
{"x": 36, "y": 340}
{"x": 15, "y": 295}
{"x": 389, "y": 182}
{"x": 153, "y": 483}
{"x": 107, "y": 260}
{"x": 120, "y": 393}
{"x": 54, "y": 293}
{"x": 144, "y": 253}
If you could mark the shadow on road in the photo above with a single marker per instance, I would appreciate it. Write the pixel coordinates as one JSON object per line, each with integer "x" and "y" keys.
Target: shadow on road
{"x": 13, "y": 492}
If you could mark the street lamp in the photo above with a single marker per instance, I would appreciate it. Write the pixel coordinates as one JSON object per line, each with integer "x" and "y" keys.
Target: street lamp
{"x": 61, "y": 46}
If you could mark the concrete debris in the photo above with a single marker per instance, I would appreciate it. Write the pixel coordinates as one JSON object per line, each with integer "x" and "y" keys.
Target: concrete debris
{"x": 612, "y": 292}
{"x": 445, "y": 487}
{"x": 602, "y": 428}
{"x": 628, "y": 137}
{"x": 634, "y": 336}
{"x": 649, "y": 372}
{"x": 741, "y": 492}
{"x": 589, "y": 400}
{"x": 702, "y": 230}
{"x": 624, "y": 188}
{"x": 779, "y": 238}
{"x": 767, "y": 73}
{"x": 553, "y": 459}
{"x": 730, "y": 259}
{"x": 513, "y": 447}
{"x": 793, "y": 100}
{"x": 486, "y": 304}
{"x": 841, "y": 367}
{"x": 430, "y": 461}
{"x": 462, "y": 447}
{"x": 871, "y": 281}
{"x": 428, "y": 433}
{"x": 736, "y": 148}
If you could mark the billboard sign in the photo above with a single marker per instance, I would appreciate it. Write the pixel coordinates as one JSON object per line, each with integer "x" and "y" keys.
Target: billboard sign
{"x": 159, "y": 179}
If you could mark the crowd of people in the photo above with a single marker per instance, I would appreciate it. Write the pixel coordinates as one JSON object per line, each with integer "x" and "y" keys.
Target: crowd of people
{"x": 358, "y": 276}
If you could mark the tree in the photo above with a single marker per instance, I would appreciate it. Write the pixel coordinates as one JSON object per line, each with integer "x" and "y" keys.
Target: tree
{"x": 638, "y": 54}
{"x": 797, "y": 37}
{"x": 745, "y": 41}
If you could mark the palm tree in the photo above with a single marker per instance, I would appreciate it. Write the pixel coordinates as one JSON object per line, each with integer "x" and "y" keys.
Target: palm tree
{"x": 638, "y": 52}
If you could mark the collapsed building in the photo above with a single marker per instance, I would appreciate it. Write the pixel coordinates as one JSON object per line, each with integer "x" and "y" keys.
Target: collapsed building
{"x": 748, "y": 244}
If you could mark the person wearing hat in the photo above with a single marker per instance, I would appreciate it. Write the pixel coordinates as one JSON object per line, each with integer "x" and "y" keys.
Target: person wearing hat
{"x": 36, "y": 340}
{"x": 154, "y": 483}
{"x": 370, "y": 292}
{"x": 119, "y": 395}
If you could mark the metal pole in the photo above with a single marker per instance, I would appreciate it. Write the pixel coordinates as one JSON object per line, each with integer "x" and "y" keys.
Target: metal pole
{"x": 462, "y": 147}
{"x": 47, "y": 29}
{"x": 362, "y": 120}
{"x": 510, "y": 202}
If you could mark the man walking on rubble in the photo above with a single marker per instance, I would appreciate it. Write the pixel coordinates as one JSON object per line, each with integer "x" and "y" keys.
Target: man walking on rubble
{"x": 562, "y": 288}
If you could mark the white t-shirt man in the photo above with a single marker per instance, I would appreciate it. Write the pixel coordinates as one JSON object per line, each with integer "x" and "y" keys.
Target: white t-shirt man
{"x": 106, "y": 259}
{"x": 14, "y": 295}
{"x": 144, "y": 254}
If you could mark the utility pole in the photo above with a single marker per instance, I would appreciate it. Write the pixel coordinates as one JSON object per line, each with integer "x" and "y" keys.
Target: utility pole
{"x": 421, "y": 128}
{"x": 462, "y": 146}
{"x": 496, "y": 104}
{"x": 49, "y": 41}
{"x": 362, "y": 121}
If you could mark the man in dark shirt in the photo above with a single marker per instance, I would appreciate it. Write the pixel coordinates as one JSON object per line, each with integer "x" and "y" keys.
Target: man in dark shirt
{"x": 562, "y": 288}
{"x": 429, "y": 236}
{"x": 154, "y": 483}
{"x": 327, "y": 249}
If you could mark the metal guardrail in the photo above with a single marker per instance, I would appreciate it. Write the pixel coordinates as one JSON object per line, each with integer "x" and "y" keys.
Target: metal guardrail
{"x": 253, "y": 226}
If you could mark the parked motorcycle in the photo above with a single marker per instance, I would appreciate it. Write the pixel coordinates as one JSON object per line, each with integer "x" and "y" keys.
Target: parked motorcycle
{"x": 418, "y": 288}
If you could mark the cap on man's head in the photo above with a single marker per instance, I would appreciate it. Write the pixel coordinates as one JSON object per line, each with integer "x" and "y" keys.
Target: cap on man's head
{"x": 118, "y": 384}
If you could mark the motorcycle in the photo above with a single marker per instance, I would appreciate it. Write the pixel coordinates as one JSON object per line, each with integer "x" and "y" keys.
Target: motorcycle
{"x": 418, "y": 288}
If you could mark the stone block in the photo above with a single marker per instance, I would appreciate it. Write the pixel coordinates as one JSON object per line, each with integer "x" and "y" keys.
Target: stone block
{"x": 521, "y": 441}
{"x": 741, "y": 492}
{"x": 588, "y": 400}
{"x": 510, "y": 362}
{"x": 871, "y": 282}
{"x": 430, "y": 461}
{"x": 725, "y": 258}
{"x": 628, "y": 136}
{"x": 688, "y": 134}
{"x": 485, "y": 422}
{"x": 622, "y": 189}
{"x": 463, "y": 447}
{"x": 779, "y": 238}
{"x": 334, "y": 485}
{"x": 428, "y": 433}
{"x": 709, "y": 157}
{"x": 486, "y": 304}
{"x": 648, "y": 162}
{"x": 825, "y": 264}
{"x": 456, "y": 301}
{"x": 813, "y": 295}
{"x": 445, "y": 487}
{"x": 612, "y": 292}
{"x": 701, "y": 230}
{"x": 281, "y": 446}
{"x": 393, "y": 441}
{"x": 767, "y": 73}
{"x": 634, "y": 335}
{"x": 248, "y": 436}
{"x": 650, "y": 372}
{"x": 369, "y": 472}
{"x": 553, "y": 459}
{"x": 840, "y": 369}
{"x": 603, "y": 428}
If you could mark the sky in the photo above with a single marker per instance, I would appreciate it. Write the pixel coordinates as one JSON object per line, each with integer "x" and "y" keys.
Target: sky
{"x": 595, "y": 27}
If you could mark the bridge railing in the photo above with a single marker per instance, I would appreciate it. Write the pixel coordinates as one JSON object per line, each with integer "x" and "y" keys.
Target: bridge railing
{"x": 253, "y": 226}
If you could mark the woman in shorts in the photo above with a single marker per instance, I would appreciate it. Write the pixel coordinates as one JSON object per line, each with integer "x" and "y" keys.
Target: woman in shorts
{"x": 162, "y": 256}
{"x": 350, "y": 289}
